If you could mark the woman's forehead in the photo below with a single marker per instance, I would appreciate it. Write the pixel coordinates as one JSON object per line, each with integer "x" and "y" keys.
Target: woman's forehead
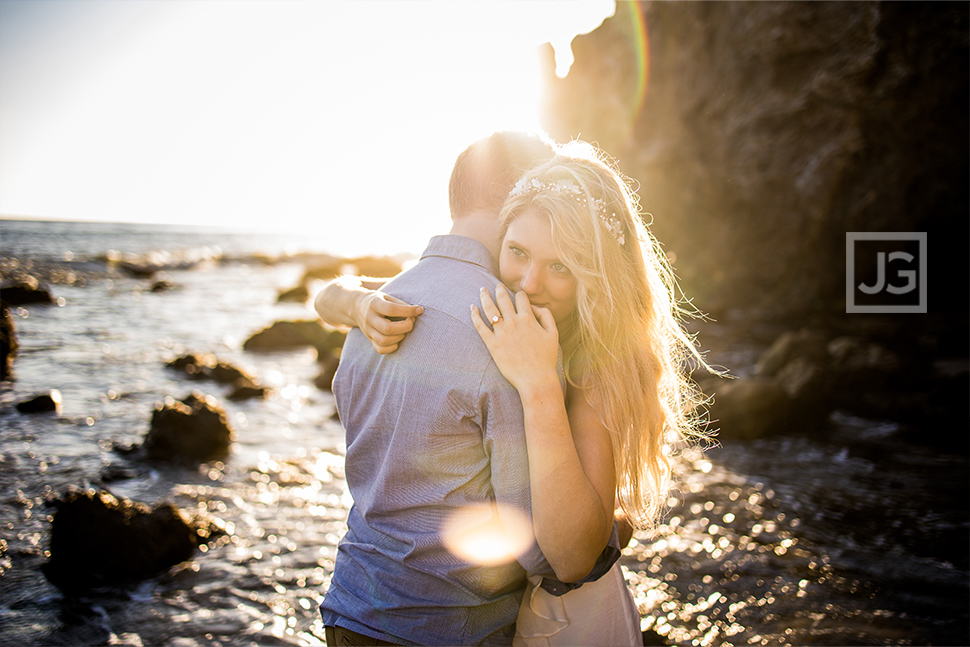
{"x": 533, "y": 229}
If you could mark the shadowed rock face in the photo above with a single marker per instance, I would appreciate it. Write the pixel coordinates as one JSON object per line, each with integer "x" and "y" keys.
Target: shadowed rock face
{"x": 769, "y": 130}
{"x": 97, "y": 539}
{"x": 196, "y": 429}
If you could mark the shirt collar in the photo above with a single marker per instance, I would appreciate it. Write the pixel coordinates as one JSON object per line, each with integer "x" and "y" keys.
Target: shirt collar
{"x": 461, "y": 248}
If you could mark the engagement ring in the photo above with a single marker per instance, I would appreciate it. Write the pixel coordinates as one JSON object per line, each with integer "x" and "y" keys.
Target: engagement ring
{"x": 496, "y": 319}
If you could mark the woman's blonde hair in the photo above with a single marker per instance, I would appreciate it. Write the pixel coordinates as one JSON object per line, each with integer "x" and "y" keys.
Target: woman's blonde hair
{"x": 624, "y": 341}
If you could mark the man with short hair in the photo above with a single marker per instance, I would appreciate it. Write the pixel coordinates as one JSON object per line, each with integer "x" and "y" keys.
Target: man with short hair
{"x": 433, "y": 429}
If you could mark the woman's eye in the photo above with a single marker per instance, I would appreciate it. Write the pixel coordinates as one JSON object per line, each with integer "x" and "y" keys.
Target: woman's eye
{"x": 515, "y": 251}
{"x": 559, "y": 268}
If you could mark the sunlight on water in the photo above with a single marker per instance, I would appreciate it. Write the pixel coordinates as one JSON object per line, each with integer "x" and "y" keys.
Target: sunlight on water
{"x": 487, "y": 535}
{"x": 785, "y": 541}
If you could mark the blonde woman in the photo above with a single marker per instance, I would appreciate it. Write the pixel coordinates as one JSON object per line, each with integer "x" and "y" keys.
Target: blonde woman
{"x": 587, "y": 281}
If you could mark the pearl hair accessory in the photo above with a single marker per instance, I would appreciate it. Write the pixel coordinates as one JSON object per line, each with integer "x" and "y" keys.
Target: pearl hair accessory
{"x": 535, "y": 186}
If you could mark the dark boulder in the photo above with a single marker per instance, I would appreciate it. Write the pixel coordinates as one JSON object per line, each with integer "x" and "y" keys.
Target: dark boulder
{"x": 98, "y": 539}
{"x": 138, "y": 269}
{"x": 162, "y": 285}
{"x": 328, "y": 368}
{"x": 208, "y": 367}
{"x": 194, "y": 365}
{"x": 182, "y": 362}
{"x": 287, "y": 335}
{"x": 49, "y": 402}
{"x": 871, "y": 380}
{"x": 299, "y": 294}
{"x": 810, "y": 387}
{"x": 749, "y": 408}
{"x": 112, "y": 472}
{"x": 226, "y": 373}
{"x": 858, "y": 359}
{"x": 26, "y": 291}
{"x": 798, "y": 362}
{"x": 245, "y": 389}
{"x": 195, "y": 429}
{"x": 9, "y": 346}
{"x": 809, "y": 345}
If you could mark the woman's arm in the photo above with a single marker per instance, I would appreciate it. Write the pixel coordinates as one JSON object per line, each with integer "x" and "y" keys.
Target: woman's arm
{"x": 350, "y": 301}
{"x": 570, "y": 455}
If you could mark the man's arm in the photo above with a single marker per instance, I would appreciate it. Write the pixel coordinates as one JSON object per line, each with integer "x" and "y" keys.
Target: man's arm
{"x": 352, "y": 301}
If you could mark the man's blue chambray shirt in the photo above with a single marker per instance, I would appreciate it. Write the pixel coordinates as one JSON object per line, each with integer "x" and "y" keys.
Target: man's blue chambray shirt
{"x": 431, "y": 428}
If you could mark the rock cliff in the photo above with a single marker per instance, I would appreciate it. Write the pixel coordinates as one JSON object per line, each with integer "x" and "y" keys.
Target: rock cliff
{"x": 762, "y": 132}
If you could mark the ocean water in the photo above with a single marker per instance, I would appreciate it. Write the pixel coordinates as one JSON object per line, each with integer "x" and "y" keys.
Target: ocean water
{"x": 850, "y": 536}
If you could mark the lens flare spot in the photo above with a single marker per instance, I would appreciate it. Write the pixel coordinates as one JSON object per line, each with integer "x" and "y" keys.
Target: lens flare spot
{"x": 487, "y": 534}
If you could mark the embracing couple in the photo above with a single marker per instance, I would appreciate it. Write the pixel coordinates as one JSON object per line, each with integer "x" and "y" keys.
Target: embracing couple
{"x": 554, "y": 395}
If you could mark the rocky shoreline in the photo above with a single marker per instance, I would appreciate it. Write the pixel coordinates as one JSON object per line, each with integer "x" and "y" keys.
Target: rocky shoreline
{"x": 98, "y": 539}
{"x": 749, "y": 544}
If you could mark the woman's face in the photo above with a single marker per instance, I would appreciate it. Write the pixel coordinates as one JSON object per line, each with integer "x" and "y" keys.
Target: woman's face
{"x": 528, "y": 262}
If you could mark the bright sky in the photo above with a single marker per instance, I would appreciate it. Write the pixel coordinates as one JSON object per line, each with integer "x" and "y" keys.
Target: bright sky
{"x": 334, "y": 116}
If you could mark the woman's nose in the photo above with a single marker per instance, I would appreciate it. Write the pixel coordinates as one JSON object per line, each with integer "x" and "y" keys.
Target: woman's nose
{"x": 531, "y": 282}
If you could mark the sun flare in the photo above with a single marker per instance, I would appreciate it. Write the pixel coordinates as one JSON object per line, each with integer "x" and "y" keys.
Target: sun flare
{"x": 488, "y": 535}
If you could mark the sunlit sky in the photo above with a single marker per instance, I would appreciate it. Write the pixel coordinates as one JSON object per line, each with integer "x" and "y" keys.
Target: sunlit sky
{"x": 339, "y": 117}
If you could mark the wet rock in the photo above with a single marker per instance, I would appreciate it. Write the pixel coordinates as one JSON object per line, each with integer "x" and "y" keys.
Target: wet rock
{"x": 195, "y": 429}
{"x": 49, "y": 402}
{"x": 26, "y": 291}
{"x": 328, "y": 368}
{"x": 125, "y": 448}
{"x": 808, "y": 384}
{"x": 9, "y": 346}
{"x": 246, "y": 389}
{"x": 807, "y": 344}
{"x": 855, "y": 356}
{"x": 194, "y": 365}
{"x": 203, "y": 366}
{"x": 286, "y": 335}
{"x": 111, "y": 473}
{"x": 162, "y": 285}
{"x": 98, "y": 539}
{"x": 137, "y": 269}
{"x": 184, "y": 361}
{"x": 746, "y": 409}
{"x": 299, "y": 294}
{"x": 226, "y": 373}
{"x": 867, "y": 376}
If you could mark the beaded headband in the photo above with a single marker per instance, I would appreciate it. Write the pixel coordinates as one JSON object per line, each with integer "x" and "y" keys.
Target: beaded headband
{"x": 535, "y": 186}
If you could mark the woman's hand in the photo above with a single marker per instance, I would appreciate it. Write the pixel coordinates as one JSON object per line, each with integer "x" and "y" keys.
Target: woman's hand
{"x": 570, "y": 456}
{"x": 523, "y": 339}
{"x": 385, "y": 320}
